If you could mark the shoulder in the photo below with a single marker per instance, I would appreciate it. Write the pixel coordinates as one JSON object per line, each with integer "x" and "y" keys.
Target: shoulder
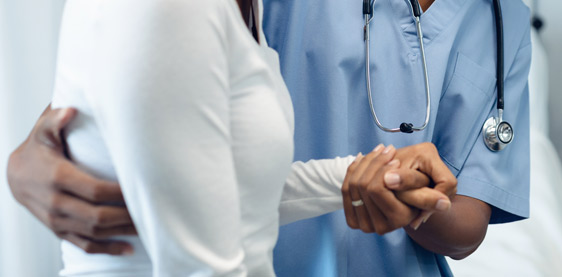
{"x": 180, "y": 13}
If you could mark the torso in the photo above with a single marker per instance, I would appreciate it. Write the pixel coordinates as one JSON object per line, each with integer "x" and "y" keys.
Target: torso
{"x": 261, "y": 124}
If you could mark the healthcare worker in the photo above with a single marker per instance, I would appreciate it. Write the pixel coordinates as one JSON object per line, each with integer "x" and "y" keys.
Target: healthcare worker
{"x": 321, "y": 42}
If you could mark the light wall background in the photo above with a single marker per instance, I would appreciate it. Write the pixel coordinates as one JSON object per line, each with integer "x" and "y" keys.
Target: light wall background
{"x": 28, "y": 39}
{"x": 552, "y": 40}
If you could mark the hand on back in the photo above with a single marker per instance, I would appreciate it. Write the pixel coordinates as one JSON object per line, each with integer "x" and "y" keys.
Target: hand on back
{"x": 72, "y": 203}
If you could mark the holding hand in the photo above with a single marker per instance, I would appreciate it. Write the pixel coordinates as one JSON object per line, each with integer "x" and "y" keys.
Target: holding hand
{"x": 371, "y": 205}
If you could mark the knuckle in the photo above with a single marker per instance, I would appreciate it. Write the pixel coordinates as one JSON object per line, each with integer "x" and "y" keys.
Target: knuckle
{"x": 351, "y": 167}
{"x": 59, "y": 173}
{"x": 61, "y": 235}
{"x": 97, "y": 193}
{"x": 55, "y": 203}
{"x": 351, "y": 223}
{"x": 90, "y": 247}
{"x": 401, "y": 223}
{"x": 93, "y": 231}
{"x": 429, "y": 146}
{"x": 51, "y": 221}
{"x": 365, "y": 229}
{"x": 381, "y": 229}
{"x": 355, "y": 185}
{"x": 99, "y": 217}
{"x": 363, "y": 185}
{"x": 375, "y": 190}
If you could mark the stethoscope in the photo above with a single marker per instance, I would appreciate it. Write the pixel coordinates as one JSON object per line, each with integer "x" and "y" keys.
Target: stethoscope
{"x": 497, "y": 133}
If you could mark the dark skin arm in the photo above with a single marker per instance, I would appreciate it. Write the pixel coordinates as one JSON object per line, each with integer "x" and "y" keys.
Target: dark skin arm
{"x": 385, "y": 210}
{"x": 67, "y": 200}
{"x": 456, "y": 231}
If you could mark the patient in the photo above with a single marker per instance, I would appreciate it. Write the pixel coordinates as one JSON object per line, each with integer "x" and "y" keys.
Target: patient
{"x": 184, "y": 104}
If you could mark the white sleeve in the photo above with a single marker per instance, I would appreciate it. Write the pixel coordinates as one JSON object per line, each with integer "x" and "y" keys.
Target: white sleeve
{"x": 313, "y": 188}
{"x": 159, "y": 90}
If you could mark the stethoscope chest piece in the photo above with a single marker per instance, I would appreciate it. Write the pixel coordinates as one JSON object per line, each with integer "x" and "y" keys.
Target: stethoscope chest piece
{"x": 497, "y": 135}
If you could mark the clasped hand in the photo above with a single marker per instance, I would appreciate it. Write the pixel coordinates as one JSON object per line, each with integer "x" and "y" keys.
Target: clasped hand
{"x": 389, "y": 189}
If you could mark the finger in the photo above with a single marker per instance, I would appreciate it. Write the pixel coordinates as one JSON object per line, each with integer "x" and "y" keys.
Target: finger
{"x": 426, "y": 199}
{"x": 99, "y": 247}
{"x": 61, "y": 223}
{"x": 70, "y": 225}
{"x": 397, "y": 213}
{"x": 375, "y": 216}
{"x": 434, "y": 167}
{"x": 350, "y": 215}
{"x": 50, "y": 125}
{"x": 444, "y": 180}
{"x": 363, "y": 218}
{"x": 402, "y": 179}
{"x": 420, "y": 219}
{"x": 360, "y": 214}
{"x": 364, "y": 163}
{"x": 71, "y": 179}
{"x": 99, "y": 216}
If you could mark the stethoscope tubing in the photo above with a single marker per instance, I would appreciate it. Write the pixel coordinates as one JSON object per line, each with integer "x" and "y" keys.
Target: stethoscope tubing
{"x": 368, "y": 10}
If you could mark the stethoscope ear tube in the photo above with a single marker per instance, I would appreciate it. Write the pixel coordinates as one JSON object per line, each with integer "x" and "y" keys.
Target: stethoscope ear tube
{"x": 499, "y": 51}
{"x": 367, "y": 7}
{"x": 404, "y": 127}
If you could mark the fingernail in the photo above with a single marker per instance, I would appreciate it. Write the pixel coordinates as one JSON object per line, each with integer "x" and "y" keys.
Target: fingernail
{"x": 417, "y": 225}
{"x": 128, "y": 251}
{"x": 62, "y": 113}
{"x": 426, "y": 217}
{"x": 359, "y": 155}
{"x": 392, "y": 180}
{"x": 443, "y": 205}
{"x": 388, "y": 149}
{"x": 378, "y": 148}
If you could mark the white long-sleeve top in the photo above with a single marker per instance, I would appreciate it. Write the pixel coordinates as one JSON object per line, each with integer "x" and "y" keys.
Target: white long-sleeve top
{"x": 180, "y": 104}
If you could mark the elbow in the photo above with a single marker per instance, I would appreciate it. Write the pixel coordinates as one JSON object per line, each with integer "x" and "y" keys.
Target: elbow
{"x": 459, "y": 255}
{"x": 468, "y": 245}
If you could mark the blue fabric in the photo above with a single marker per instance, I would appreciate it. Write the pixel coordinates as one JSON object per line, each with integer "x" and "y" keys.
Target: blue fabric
{"x": 321, "y": 50}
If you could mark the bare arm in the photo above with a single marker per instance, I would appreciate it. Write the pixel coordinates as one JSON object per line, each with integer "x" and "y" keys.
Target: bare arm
{"x": 455, "y": 233}
{"x": 454, "y": 225}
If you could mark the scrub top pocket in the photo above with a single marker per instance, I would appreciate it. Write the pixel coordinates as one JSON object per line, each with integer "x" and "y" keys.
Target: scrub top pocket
{"x": 463, "y": 108}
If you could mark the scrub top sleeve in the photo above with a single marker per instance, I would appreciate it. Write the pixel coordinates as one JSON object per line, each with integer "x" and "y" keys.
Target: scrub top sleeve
{"x": 313, "y": 188}
{"x": 502, "y": 179}
{"x": 160, "y": 95}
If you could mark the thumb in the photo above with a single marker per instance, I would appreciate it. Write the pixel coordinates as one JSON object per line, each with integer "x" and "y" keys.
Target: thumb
{"x": 439, "y": 173}
{"x": 49, "y": 128}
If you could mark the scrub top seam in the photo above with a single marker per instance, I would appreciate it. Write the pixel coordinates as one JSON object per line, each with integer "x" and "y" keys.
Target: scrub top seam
{"x": 450, "y": 164}
{"x": 516, "y": 55}
{"x": 444, "y": 28}
{"x": 402, "y": 31}
{"x": 492, "y": 185}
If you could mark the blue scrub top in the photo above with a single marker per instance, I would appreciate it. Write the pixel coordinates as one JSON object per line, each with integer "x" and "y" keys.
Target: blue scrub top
{"x": 320, "y": 43}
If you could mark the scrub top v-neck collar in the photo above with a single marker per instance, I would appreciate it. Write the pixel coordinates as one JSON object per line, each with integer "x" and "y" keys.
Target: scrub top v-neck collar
{"x": 433, "y": 21}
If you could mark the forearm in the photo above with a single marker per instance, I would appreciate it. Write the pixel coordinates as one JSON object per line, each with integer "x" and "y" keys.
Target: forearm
{"x": 455, "y": 233}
